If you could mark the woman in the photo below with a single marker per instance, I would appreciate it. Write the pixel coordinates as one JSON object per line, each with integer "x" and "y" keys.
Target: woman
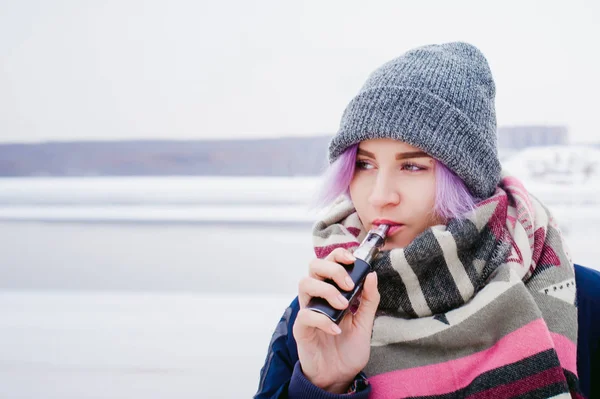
{"x": 473, "y": 293}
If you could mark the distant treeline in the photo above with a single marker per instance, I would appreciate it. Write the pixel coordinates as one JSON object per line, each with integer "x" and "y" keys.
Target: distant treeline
{"x": 288, "y": 156}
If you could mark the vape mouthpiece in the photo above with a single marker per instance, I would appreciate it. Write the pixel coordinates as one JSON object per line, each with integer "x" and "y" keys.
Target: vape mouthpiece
{"x": 374, "y": 240}
{"x": 381, "y": 230}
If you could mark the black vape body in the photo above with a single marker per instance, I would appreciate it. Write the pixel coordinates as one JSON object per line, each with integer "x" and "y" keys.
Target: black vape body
{"x": 366, "y": 252}
{"x": 358, "y": 272}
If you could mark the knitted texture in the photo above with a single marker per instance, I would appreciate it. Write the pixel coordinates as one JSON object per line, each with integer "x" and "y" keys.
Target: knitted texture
{"x": 439, "y": 98}
{"x": 482, "y": 307}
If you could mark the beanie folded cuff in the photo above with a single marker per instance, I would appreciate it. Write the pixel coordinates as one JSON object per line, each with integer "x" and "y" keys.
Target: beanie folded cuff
{"x": 426, "y": 122}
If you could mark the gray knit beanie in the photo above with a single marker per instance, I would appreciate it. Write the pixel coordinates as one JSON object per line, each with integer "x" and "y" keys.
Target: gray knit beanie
{"x": 439, "y": 98}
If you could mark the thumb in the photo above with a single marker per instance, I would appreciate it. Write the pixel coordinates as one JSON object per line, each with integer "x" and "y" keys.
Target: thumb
{"x": 369, "y": 301}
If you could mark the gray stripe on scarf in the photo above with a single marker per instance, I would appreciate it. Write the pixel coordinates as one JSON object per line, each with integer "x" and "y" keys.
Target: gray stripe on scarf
{"x": 559, "y": 315}
{"x": 411, "y": 281}
{"x": 465, "y": 234}
{"x": 459, "y": 341}
{"x": 326, "y": 232}
{"x": 455, "y": 267}
{"x": 492, "y": 251}
{"x": 435, "y": 279}
{"x": 391, "y": 287}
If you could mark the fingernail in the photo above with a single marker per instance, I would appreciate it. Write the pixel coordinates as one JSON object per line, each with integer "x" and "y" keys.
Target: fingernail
{"x": 342, "y": 299}
{"x": 349, "y": 256}
{"x": 336, "y": 329}
{"x": 349, "y": 282}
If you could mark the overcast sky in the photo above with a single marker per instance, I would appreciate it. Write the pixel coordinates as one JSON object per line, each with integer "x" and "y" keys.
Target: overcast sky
{"x": 83, "y": 70}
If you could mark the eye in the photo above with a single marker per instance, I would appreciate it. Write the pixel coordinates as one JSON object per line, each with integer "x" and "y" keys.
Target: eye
{"x": 412, "y": 167}
{"x": 363, "y": 165}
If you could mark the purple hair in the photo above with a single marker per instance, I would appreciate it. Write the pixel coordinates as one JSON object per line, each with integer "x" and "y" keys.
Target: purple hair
{"x": 452, "y": 197}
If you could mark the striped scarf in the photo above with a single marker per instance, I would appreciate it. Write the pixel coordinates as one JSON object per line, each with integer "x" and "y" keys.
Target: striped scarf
{"x": 482, "y": 307}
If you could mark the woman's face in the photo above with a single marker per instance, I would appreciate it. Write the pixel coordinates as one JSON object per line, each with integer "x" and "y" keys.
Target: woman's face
{"x": 394, "y": 182}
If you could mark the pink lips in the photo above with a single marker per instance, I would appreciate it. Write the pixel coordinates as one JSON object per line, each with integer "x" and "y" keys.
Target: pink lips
{"x": 394, "y": 229}
{"x": 394, "y": 226}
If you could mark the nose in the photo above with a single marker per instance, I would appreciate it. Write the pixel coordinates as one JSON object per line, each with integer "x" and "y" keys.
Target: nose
{"x": 384, "y": 192}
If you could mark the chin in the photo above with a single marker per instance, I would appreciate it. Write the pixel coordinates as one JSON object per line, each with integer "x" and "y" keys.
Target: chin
{"x": 398, "y": 243}
{"x": 391, "y": 245}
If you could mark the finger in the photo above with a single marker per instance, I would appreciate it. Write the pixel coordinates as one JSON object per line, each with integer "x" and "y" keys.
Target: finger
{"x": 341, "y": 255}
{"x": 323, "y": 269}
{"x": 310, "y": 287}
{"x": 369, "y": 301}
{"x": 308, "y": 320}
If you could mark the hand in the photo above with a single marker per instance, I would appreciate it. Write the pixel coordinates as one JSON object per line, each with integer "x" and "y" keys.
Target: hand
{"x": 332, "y": 356}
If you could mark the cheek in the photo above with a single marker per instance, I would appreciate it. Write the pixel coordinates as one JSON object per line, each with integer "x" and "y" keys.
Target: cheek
{"x": 421, "y": 190}
{"x": 359, "y": 195}
{"x": 421, "y": 199}
{"x": 356, "y": 192}
{"x": 359, "y": 186}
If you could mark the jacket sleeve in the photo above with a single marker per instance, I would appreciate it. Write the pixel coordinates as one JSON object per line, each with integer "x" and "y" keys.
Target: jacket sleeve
{"x": 282, "y": 355}
{"x": 281, "y": 376}
{"x": 588, "y": 340}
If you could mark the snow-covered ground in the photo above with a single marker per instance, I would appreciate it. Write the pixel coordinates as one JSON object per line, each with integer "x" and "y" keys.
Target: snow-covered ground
{"x": 558, "y": 165}
{"x": 133, "y": 345}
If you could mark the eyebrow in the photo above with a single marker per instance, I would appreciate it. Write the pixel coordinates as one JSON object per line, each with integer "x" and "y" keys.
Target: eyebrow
{"x": 400, "y": 155}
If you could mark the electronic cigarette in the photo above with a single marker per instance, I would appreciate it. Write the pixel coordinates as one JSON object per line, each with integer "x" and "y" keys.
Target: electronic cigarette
{"x": 364, "y": 254}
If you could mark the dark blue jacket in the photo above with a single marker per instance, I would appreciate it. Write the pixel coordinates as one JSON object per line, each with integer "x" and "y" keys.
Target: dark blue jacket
{"x": 278, "y": 377}
{"x": 588, "y": 340}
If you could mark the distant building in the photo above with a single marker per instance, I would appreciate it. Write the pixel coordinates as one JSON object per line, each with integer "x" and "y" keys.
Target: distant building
{"x": 519, "y": 137}
{"x": 512, "y": 139}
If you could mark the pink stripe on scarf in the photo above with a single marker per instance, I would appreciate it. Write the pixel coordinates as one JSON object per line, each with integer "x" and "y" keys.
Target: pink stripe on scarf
{"x": 566, "y": 351}
{"x": 441, "y": 378}
{"x": 355, "y": 231}
{"x": 322, "y": 252}
{"x": 516, "y": 187}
